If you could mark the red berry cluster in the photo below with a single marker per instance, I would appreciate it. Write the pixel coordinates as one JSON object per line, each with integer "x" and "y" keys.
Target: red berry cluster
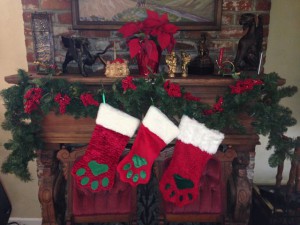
{"x": 216, "y": 108}
{"x": 188, "y": 96}
{"x": 32, "y": 97}
{"x": 127, "y": 83}
{"x": 87, "y": 99}
{"x": 63, "y": 101}
{"x": 242, "y": 86}
{"x": 173, "y": 90}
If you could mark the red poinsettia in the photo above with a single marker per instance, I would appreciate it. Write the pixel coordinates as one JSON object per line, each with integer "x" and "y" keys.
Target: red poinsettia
{"x": 32, "y": 97}
{"x": 145, "y": 36}
{"x": 88, "y": 99}
{"x": 172, "y": 89}
{"x": 63, "y": 101}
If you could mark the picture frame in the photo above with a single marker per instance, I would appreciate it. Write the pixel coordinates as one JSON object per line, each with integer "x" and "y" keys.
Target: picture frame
{"x": 99, "y": 15}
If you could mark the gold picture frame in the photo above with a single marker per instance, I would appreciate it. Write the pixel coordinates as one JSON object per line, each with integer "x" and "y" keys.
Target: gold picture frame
{"x": 112, "y": 14}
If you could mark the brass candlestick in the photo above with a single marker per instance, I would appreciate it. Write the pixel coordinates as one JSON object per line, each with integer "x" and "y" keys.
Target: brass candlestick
{"x": 171, "y": 61}
{"x": 186, "y": 58}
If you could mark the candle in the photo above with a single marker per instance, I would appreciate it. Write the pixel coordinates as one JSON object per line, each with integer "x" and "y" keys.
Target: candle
{"x": 260, "y": 61}
{"x": 221, "y": 53}
{"x": 115, "y": 52}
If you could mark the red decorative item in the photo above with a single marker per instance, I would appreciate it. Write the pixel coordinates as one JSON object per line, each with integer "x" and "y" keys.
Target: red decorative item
{"x": 242, "y": 86}
{"x": 188, "y": 96}
{"x": 63, "y": 101}
{"x": 220, "y": 59}
{"x": 127, "y": 83}
{"x": 147, "y": 39}
{"x": 146, "y": 65}
{"x": 87, "y": 99}
{"x": 96, "y": 170}
{"x": 216, "y": 108}
{"x": 32, "y": 97}
{"x": 194, "y": 146}
{"x": 172, "y": 89}
{"x": 154, "y": 134}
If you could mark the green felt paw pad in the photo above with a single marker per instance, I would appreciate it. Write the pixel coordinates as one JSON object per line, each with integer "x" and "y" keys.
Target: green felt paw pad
{"x": 97, "y": 168}
{"x": 138, "y": 161}
{"x": 182, "y": 183}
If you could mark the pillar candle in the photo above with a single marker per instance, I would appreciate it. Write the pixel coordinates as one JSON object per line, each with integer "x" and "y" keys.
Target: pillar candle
{"x": 221, "y": 53}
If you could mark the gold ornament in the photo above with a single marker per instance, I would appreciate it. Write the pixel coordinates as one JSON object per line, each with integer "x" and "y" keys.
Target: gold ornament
{"x": 186, "y": 58}
{"x": 171, "y": 61}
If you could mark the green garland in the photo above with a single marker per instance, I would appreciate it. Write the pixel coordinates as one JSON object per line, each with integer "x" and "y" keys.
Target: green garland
{"x": 260, "y": 102}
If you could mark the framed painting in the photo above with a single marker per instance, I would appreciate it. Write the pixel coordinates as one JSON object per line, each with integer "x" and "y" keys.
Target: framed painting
{"x": 112, "y": 14}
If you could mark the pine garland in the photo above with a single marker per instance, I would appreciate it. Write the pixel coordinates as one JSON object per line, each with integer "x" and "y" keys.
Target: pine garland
{"x": 259, "y": 97}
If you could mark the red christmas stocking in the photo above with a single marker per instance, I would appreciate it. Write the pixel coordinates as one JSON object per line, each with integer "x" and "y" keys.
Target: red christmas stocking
{"x": 155, "y": 132}
{"x": 96, "y": 170}
{"x": 194, "y": 146}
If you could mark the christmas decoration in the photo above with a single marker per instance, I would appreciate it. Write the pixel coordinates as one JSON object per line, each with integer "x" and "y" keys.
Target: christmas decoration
{"x": 155, "y": 132}
{"x": 134, "y": 96}
{"x": 148, "y": 38}
{"x": 194, "y": 146}
{"x": 96, "y": 169}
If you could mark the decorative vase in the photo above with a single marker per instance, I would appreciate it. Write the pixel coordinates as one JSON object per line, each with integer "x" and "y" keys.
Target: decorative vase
{"x": 147, "y": 66}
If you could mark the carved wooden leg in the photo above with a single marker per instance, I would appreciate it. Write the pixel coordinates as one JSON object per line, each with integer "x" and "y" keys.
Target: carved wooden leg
{"x": 46, "y": 162}
{"x": 242, "y": 188}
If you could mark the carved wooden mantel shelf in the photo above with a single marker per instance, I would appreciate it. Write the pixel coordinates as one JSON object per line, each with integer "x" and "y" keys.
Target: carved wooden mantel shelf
{"x": 64, "y": 129}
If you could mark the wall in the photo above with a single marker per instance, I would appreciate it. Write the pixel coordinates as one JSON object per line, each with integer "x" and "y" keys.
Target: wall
{"x": 12, "y": 57}
{"x": 284, "y": 15}
{"x": 283, "y": 58}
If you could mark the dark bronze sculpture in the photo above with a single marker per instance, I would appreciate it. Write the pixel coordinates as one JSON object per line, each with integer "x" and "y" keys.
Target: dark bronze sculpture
{"x": 250, "y": 45}
{"x": 78, "y": 50}
{"x": 201, "y": 64}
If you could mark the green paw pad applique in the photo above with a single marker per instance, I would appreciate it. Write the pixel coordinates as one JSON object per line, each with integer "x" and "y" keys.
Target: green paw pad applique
{"x": 181, "y": 184}
{"x": 96, "y": 169}
{"x": 137, "y": 163}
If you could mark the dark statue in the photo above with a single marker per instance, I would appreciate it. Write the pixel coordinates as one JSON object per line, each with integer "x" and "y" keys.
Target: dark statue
{"x": 201, "y": 64}
{"x": 250, "y": 45}
{"x": 78, "y": 50}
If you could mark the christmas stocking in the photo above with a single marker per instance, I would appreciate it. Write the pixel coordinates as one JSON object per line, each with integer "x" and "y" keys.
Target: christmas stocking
{"x": 96, "y": 170}
{"x": 194, "y": 146}
{"x": 155, "y": 132}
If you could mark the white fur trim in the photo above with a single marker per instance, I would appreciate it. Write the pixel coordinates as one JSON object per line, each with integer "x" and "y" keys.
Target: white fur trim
{"x": 159, "y": 124}
{"x": 197, "y": 134}
{"x": 116, "y": 120}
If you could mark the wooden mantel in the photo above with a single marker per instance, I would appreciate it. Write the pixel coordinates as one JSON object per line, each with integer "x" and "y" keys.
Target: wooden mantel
{"x": 64, "y": 129}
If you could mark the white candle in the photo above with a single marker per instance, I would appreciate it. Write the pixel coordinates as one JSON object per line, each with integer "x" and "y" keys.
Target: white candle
{"x": 115, "y": 52}
{"x": 260, "y": 61}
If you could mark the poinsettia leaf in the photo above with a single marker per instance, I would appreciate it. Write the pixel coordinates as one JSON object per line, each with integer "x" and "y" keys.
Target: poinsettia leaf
{"x": 171, "y": 45}
{"x": 130, "y": 29}
{"x": 152, "y": 14}
{"x": 164, "y": 18}
{"x": 134, "y": 47}
{"x": 150, "y": 24}
{"x": 164, "y": 40}
{"x": 170, "y": 28}
{"x": 151, "y": 50}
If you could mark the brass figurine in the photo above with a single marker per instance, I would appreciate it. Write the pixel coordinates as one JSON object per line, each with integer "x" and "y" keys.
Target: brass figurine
{"x": 186, "y": 58}
{"x": 171, "y": 61}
